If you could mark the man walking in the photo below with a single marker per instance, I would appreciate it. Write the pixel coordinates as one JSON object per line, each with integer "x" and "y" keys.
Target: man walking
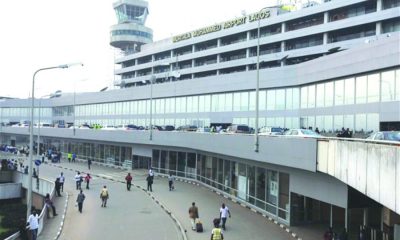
{"x": 128, "y": 180}
{"x": 171, "y": 182}
{"x": 104, "y": 196}
{"x": 73, "y": 157}
{"x": 33, "y": 221}
{"x": 216, "y": 233}
{"x": 57, "y": 187}
{"x": 87, "y": 180}
{"x": 149, "y": 180}
{"x": 223, "y": 214}
{"x": 193, "y": 215}
{"x": 62, "y": 180}
{"x": 151, "y": 174}
{"x": 69, "y": 157}
{"x": 50, "y": 204}
{"x": 78, "y": 180}
{"x": 81, "y": 197}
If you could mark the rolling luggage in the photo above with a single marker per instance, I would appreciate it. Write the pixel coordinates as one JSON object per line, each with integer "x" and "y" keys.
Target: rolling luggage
{"x": 199, "y": 226}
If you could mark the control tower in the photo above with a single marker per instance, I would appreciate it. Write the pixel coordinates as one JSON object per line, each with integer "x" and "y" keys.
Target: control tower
{"x": 130, "y": 32}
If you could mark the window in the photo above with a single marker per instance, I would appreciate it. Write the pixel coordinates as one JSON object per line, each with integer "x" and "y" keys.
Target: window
{"x": 339, "y": 92}
{"x": 311, "y": 96}
{"x": 271, "y": 100}
{"x": 388, "y": 86}
{"x": 320, "y": 95}
{"x": 373, "y": 88}
{"x": 349, "y": 91}
{"x": 361, "y": 93}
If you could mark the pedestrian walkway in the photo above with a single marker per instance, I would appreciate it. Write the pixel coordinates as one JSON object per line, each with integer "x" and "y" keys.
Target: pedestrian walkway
{"x": 53, "y": 224}
{"x": 244, "y": 223}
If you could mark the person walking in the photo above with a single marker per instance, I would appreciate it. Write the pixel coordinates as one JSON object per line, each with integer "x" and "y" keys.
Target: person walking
{"x": 149, "y": 180}
{"x": 171, "y": 182}
{"x": 81, "y": 197}
{"x": 104, "y": 195}
{"x": 217, "y": 233}
{"x": 62, "y": 180}
{"x": 78, "y": 180}
{"x": 193, "y": 215}
{"x": 89, "y": 162}
{"x": 128, "y": 180}
{"x": 87, "y": 180}
{"x": 223, "y": 214}
{"x": 58, "y": 187}
{"x": 33, "y": 222}
{"x": 49, "y": 204}
{"x": 73, "y": 157}
{"x": 69, "y": 155}
{"x": 151, "y": 174}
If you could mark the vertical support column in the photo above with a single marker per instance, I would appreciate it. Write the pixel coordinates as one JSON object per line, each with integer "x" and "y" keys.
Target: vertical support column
{"x": 378, "y": 29}
{"x": 365, "y": 216}
{"x": 345, "y": 218}
{"x": 331, "y": 217}
{"x": 379, "y": 5}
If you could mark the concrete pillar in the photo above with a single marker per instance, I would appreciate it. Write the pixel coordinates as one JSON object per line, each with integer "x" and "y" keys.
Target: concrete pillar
{"x": 331, "y": 217}
{"x": 345, "y": 218}
{"x": 248, "y": 35}
{"x": 325, "y": 38}
{"x": 305, "y": 208}
{"x": 378, "y": 30}
{"x": 193, "y": 48}
{"x": 326, "y": 17}
{"x": 283, "y": 27}
{"x": 219, "y": 42}
{"x": 378, "y": 5}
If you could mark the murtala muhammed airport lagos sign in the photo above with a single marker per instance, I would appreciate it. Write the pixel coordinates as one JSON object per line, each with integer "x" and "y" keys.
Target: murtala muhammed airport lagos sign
{"x": 225, "y": 25}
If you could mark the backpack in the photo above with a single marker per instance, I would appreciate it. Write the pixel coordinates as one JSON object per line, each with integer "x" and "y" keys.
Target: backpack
{"x": 104, "y": 193}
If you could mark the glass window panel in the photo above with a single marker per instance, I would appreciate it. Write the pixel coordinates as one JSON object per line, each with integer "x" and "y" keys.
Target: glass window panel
{"x": 311, "y": 96}
{"x": 328, "y": 94}
{"x": 280, "y": 99}
{"x": 236, "y": 102}
{"x": 304, "y": 98}
{"x": 397, "y": 85}
{"x": 339, "y": 92}
{"x": 372, "y": 122}
{"x": 214, "y": 103}
{"x": 348, "y": 122}
{"x": 319, "y": 123}
{"x": 228, "y": 102}
{"x": 373, "y": 88}
{"x": 289, "y": 99}
{"x": 284, "y": 206}
{"x": 272, "y": 191}
{"x": 262, "y": 100}
{"x": 252, "y": 103}
{"x": 296, "y": 98}
{"x": 349, "y": 91}
{"x": 320, "y": 101}
{"x": 361, "y": 86}
{"x": 221, "y": 102}
{"x": 338, "y": 122}
{"x": 361, "y": 123}
{"x": 189, "y": 104}
{"x": 388, "y": 86}
{"x": 201, "y": 104}
{"x": 244, "y": 101}
{"x": 195, "y": 104}
{"x": 207, "y": 103}
{"x": 271, "y": 100}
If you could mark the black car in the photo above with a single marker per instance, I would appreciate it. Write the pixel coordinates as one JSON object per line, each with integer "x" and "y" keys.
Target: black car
{"x": 168, "y": 128}
{"x": 187, "y": 128}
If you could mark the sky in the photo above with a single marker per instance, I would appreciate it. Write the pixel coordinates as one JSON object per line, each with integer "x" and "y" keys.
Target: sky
{"x": 43, "y": 33}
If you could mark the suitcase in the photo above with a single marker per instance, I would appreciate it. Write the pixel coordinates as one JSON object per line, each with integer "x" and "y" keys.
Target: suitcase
{"x": 199, "y": 227}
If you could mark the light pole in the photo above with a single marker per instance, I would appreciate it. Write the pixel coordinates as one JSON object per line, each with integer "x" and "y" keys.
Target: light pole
{"x": 29, "y": 197}
{"x": 256, "y": 140}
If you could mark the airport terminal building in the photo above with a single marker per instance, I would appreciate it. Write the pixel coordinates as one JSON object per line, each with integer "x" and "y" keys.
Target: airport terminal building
{"x": 332, "y": 65}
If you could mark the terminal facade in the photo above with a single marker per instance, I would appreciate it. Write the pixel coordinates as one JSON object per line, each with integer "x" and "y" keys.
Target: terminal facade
{"x": 329, "y": 66}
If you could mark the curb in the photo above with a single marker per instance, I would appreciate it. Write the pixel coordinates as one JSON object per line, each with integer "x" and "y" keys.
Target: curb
{"x": 268, "y": 218}
{"x": 63, "y": 218}
{"x": 177, "y": 222}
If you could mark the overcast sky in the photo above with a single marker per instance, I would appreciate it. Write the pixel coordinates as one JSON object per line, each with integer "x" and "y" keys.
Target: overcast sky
{"x": 44, "y": 33}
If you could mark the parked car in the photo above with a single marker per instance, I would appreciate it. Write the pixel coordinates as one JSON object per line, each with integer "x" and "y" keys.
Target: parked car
{"x": 301, "y": 133}
{"x": 238, "y": 128}
{"x": 271, "y": 131}
{"x": 385, "y": 136}
{"x": 109, "y": 127}
{"x": 188, "y": 128}
{"x": 168, "y": 128}
{"x": 127, "y": 127}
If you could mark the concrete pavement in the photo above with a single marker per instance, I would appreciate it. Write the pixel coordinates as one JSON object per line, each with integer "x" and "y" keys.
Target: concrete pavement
{"x": 244, "y": 223}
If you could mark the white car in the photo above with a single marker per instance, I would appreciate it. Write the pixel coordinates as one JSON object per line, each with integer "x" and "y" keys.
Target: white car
{"x": 301, "y": 133}
{"x": 266, "y": 131}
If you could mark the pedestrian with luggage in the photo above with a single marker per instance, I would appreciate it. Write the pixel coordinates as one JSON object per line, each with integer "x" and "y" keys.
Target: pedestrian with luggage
{"x": 171, "y": 182}
{"x": 87, "y": 180}
{"x": 128, "y": 180}
{"x": 149, "y": 180}
{"x": 223, "y": 214}
{"x": 193, "y": 215}
{"x": 104, "y": 195}
{"x": 217, "y": 233}
{"x": 81, "y": 197}
{"x": 62, "y": 180}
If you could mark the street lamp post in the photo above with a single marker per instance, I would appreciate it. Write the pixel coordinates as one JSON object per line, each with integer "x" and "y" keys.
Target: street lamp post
{"x": 29, "y": 197}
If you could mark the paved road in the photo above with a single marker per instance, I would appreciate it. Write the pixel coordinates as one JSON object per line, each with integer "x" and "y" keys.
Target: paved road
{"x": 128, "y": 214}
{"x": 244, "y": 224}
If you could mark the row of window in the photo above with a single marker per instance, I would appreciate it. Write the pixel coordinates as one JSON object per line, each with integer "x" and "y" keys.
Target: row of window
{"x": 132, "y": 32}
{"x": 376, "y": 87}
